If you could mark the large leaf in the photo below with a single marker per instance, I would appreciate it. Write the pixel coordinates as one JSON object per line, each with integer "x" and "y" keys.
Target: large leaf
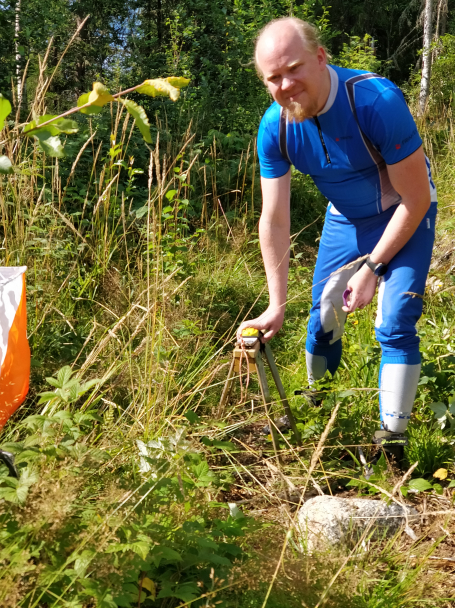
{"x": 139, "y": 115}
{"x": 159, "y": 87}
{"x": 63, "y": 375}
{"x": 420, "y": 485}
{"x": 83, "y": 561}
{"x": 50, "y": 144}
{"x": 100, "y": 95}
{"x": 62, "y": 125}
{"x": 5, "y": 109}
{"x": 439, "y": 409}
{"x": 18, "y": 489}
{"x": 83, "y": 99}
{"x": 178, "y": 81}
{"x": 6, "y": 166}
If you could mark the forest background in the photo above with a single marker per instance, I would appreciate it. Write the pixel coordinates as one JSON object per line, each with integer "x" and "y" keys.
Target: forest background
{"x": 134, "y": 488}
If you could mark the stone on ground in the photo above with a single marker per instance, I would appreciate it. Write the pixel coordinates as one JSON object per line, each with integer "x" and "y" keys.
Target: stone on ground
{"x": 325, "y": 521}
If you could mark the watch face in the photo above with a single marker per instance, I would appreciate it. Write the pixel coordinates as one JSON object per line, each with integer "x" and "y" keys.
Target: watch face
{"x": 380, "y": 270}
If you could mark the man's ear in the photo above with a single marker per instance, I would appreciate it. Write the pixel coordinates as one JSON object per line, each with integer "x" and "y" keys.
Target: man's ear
{"x": 322, "y": 57}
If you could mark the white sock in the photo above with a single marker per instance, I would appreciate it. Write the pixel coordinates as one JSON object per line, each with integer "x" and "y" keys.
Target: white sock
{"x": 316, "y": 366}
{"x": 398, "y": 387}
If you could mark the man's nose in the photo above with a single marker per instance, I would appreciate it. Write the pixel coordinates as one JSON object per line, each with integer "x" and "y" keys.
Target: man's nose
{"x": 287, "y": 83}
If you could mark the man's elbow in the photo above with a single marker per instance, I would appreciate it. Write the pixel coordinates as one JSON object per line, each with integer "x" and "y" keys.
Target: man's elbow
{"x": 425, "y": 202}
{"x": 418, "y": 204}
{"x": 273, "y": 222}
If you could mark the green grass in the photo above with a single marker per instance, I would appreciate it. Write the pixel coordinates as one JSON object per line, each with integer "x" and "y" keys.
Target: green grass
{"x": 140, "y": 289}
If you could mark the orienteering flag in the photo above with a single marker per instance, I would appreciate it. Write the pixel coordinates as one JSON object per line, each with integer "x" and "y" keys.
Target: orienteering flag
{"x": 14, "y": 349}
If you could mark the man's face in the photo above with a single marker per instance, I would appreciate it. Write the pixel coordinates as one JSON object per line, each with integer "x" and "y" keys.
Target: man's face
{"x": 293, "y": 74}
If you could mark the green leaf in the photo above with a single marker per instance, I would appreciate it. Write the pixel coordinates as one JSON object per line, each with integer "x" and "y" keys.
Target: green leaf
{"x": 18, "y": 488}
{"x": 139, "y": 115}
{"x": 66, "y": 125}
{"x": 60, "y": 125}
{"x": 83, "y": 561}
{"x": 88, "y": 385}
{"x": 420, "y": 485}
{"x": 159, "y": 87}
{"x": 170, "y": 195}
{"x": 9, "y": 494}
{"x": 28, "y": 477}
{"x": 224, "y": 445}
{"x": 439, "y": 409}
{"x": 185, "y": 591}
{"x": 438, "y": 488}
{"x": 64, "y": 374}
{"x": 46, "y": 396}
{"x": 5, "y": 109}
{"x": 73, "y": 392}
{"x": 50, "y": 144}
{"x": 6, "y": 166}
{"x": 99, "y": 95}
{"x": 178, "y": 81}
{"x": 347, "y": 393}
{"x": 107, "y": 602}
{"x": 192, "y": 417}
{"x": 141, "y": 547}
{"x": 452, "y": 484}
{"x": 83, "y": 99}
{"x": 354, "y": 483}
{"x": 53, "y": 382}
{"x": 159, "y": 553}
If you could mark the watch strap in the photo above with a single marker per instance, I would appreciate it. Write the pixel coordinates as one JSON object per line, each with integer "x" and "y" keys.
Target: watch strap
{"x": 378, "y": 269}
{"x": 371, "y": 265}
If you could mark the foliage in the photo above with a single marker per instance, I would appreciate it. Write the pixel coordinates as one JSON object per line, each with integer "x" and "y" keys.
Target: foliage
{"x": 442, "y": 85}
{"x": 429, "y": 447}
{"x": 359, "y": 54}
{"x": 153, "y": 533}
{"x": 141, "y": 264}
{"x": 46, "y": 129}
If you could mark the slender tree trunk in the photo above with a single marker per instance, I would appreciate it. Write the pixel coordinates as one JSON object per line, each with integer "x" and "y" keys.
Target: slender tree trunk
{"x": 18, "y": 55}
{"x": 159, "y": 23}
{"x": 426, "y": 55}
{"x": 443, "y": 20}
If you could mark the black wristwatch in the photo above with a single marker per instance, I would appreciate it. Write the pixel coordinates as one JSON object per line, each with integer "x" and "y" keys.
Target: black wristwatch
{"x": 378, "y": 269}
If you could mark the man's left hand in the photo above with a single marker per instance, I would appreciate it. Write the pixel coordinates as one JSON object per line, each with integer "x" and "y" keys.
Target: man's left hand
{"x": 363, "y": 287}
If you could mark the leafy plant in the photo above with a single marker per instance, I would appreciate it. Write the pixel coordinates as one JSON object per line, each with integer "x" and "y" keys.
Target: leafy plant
{"x": 359, "y": 54}
{"x": 428, "y": 446}
{"x": 46, "y": 129}
{"x": 68, "y": 389}
{"x": 378, "y": 478}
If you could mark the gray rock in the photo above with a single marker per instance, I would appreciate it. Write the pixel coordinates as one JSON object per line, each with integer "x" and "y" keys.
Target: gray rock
{"x": 325, "y": 521}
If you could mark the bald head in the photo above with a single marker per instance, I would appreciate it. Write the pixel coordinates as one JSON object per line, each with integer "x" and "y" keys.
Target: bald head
{"x": 292, "y": 62}
{"x": 278, "y": 34}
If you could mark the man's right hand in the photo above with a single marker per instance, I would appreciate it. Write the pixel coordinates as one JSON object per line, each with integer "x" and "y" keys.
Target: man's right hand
{"x": 270, "y": 322}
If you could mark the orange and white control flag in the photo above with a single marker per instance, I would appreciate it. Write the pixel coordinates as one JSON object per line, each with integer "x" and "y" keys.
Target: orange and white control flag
{"x": 14, "y": 348}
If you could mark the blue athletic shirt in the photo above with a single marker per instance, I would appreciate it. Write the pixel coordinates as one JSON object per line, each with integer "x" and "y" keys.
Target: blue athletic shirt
{"x": 364, "y": 126}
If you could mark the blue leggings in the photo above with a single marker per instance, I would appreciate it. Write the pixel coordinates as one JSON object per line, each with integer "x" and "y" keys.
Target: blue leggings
{"x": 342, "y": 242}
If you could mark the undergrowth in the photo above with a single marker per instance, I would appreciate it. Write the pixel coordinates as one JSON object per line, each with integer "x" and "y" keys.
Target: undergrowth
{"x": 132, "y": 490}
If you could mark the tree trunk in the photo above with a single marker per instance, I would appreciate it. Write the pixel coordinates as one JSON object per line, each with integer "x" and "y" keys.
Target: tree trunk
{"x": 426, "y": 56}
{"x": 159, "y": 23}
{"x": 443, "y": 18}
{"x": 18, "y": 55}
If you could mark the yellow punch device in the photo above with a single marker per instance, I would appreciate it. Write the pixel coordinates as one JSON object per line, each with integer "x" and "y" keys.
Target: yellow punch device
{"x": 250, "y": 336}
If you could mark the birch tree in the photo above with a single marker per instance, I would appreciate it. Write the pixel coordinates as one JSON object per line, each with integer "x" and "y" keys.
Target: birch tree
{"x": 426, "y": 55}
{"x": 17, "y": 27}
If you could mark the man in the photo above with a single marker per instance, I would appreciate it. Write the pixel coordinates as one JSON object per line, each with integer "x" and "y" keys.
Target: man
{"x": 352, "y": 132}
